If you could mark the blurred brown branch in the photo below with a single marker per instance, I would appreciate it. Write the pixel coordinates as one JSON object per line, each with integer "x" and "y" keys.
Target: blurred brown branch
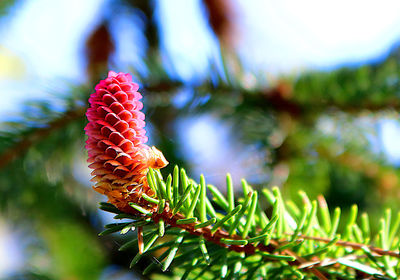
{"x": 38, "y": 134}
{"x": 220, "y": 18}
{"x": 98, "y": 49}
{"x": 277, "y": 99}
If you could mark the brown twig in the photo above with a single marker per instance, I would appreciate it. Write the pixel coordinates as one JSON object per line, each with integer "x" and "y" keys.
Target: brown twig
{"x": 249, "y": 249}
{"x": 356, "y": 246}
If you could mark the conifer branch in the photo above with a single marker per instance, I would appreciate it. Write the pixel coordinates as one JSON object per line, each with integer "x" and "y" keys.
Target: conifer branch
{"x": 296, "y": 239}
{"x": 300, "y": 251}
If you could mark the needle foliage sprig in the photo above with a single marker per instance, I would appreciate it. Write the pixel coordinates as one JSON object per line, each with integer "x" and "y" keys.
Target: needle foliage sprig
{"x": 200, "y": 233}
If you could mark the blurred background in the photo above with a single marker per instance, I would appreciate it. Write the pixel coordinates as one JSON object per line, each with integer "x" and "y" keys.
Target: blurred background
{"x": 299, "y": 94}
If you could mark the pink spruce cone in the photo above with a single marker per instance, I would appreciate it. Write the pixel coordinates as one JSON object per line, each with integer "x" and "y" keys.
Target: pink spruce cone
{"x": 119, "y": 157}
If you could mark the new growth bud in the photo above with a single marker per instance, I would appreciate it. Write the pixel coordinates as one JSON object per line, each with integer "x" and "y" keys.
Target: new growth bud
{"x": 118, "y": 155}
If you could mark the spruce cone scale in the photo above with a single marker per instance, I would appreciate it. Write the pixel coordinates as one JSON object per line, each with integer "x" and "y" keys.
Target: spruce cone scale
{"x": 118, "y": 155}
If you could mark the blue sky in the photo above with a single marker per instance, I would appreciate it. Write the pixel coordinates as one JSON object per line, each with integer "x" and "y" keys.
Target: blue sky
{"x": 288, "y": 34}
{"x": 277, "y": 36}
